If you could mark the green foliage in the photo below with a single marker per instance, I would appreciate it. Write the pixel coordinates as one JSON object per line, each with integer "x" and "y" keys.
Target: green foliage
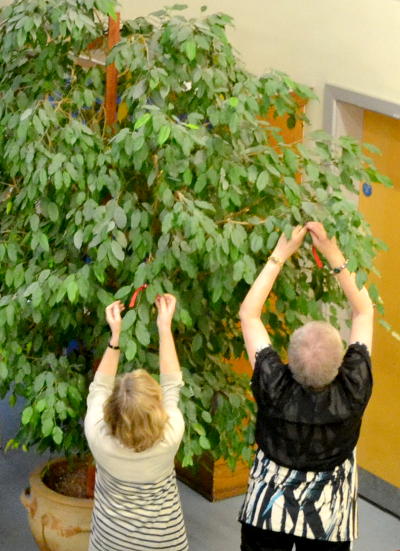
{"x": 187, "y": 194}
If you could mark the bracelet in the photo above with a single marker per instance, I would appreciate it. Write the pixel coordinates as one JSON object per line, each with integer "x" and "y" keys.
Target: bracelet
{"x": 113, "y": 347}
{"x": 338, "y": 269}
{"x": 276, "y": 260}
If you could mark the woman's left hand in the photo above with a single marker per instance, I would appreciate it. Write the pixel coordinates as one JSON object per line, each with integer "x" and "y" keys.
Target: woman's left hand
{"x": 285, "y": 248}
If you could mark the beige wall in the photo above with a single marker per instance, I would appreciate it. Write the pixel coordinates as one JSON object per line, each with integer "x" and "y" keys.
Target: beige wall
{"x": 354, "y": 44}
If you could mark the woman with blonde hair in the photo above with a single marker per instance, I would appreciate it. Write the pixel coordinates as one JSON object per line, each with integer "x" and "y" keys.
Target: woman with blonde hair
{"x": 303, "y": 484}
{"x": 134, "y": 428}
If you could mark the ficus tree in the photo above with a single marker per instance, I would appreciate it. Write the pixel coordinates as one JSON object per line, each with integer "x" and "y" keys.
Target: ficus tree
{"x": 187, "y": 193}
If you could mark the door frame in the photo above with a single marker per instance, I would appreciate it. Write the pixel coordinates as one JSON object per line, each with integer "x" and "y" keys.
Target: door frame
{"x": 343, "y": 114}
{"x": 333, "y": 108}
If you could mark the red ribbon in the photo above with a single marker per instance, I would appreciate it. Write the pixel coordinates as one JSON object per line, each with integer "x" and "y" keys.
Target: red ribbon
{"x": 135, "y": 295}
{"x": 317, "y": 259}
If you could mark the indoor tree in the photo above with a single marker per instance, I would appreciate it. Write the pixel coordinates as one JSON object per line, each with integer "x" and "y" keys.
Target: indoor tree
{"x": 187, "y": 193}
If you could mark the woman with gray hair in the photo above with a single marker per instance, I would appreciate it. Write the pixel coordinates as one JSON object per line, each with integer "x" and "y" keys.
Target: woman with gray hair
{"x": 303, "y": 484}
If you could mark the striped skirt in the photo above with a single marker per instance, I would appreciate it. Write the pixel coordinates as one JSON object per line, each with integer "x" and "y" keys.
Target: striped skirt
{"x": 314, "y": 505}
{"x": 129, "y": 516}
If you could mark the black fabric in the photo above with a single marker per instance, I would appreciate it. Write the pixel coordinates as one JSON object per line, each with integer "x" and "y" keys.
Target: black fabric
{"x": 256, "y": 539}
{"x": 304, "y": 429}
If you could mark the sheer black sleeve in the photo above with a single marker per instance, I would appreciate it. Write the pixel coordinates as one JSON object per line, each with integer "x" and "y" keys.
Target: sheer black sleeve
{"x": 269, "y": 376}
{"x": 356, "y": 375}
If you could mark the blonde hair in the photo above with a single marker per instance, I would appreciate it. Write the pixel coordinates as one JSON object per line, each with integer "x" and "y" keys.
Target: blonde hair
{"x": 135, "y": 412}
{"x": 315, "y": 354}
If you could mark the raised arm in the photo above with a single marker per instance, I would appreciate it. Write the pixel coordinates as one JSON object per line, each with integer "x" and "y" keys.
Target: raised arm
{"x": 110, "y": 359}
{"x": 254, "y": 333}
{"x": 169, "y": 362}
{"x": 360, "y": 302}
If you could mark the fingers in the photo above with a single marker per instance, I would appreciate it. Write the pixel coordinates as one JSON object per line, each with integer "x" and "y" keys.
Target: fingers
{"x": 114, "y": 310}
{"x": 316, "y": 228}
{"x": 165, "y": 302}
{"x": 299, "y": 232}
{"x": 160, "y": 304}
{"x": 170, "y": 301}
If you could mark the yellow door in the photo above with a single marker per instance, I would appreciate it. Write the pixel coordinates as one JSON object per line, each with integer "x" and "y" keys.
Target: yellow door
{"x": 379, "y": 446}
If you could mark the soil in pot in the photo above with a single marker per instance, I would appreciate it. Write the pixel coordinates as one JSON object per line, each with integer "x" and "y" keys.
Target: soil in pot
{"x": 70, "y": 477}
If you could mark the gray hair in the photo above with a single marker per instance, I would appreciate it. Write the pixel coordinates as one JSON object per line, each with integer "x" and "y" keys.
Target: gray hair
{"x": 315, "y": 354}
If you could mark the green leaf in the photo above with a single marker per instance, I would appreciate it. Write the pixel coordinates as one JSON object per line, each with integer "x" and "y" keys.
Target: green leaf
{"x": 233, "y": 101}
{"x": 107, "y": 7}
{"x": 238, "y": 236}
{"x": 34, "y": 222}
{"x": 204, "y": 443}
{"x": 256, "y": 242}
{"x": 130, "y": 350}
{"x": 72, "y": 290}
{"x": 246, "y": 454}
{"x": 206, "y": 416}
{"x": 190, "y": 49}
{"x": 117, "y": 250}
{"x": 40, "y": 405}
{"x": 238, "y": 269}
{"x": 198, "y": 428}
{"x": 291, "y": 160}
{"x": 47, "y": 426}
{"x": 142, "y": 121}
{"x": 135, "y": 219}
{"x": 197, "y": 342}
{"x": 26, "y": 415}
{"x": 74, "y": 396}
{"x": 78, "y": 239}
{"x": 163, "y": 135}
{"x": 26, "y": 114}
{"x": 185, "y": 317}
{"x": 142, "y": 334}
{"x": 262, "y": 180}
{"x": 88, "y": 97}
{"x": 53, "y": 213}
{"x": 122, "y": 134}
{"x": 3, "y": 371}
{"x": 56, "y": 163}
{"x": 43, "y": 241}
{"x": 120, "y": 217}
{"x": 361, "y": 278}
{"x": 57, "y": 435}
{"x": 128, "y": 320}
{"x": 272, "y": 240}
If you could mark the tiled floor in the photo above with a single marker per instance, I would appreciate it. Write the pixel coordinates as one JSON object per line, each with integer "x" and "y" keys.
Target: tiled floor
{"x": 211, "y": 526}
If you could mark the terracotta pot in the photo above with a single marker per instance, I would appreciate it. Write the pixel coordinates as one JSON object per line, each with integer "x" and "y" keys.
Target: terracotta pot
{"x": 57, "y": 522}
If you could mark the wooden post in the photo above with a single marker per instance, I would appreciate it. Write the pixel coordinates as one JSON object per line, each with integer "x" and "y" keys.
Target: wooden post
{"x": 112, "y": 73}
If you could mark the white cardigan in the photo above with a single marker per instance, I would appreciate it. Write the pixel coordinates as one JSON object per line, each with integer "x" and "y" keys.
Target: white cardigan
{"x": 123, "y": 463}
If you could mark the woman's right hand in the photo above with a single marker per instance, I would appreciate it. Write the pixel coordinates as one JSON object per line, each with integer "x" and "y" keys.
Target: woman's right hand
{"x": 166, "y": 307}
{"x": 114, "y": 320}
{"x": 320, "y": 239}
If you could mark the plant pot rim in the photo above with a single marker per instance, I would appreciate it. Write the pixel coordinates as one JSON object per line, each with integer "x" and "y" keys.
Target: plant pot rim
{"x": 37, "y": 484}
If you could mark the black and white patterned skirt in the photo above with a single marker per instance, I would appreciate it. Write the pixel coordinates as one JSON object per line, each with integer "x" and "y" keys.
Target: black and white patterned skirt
{"x": 308, "y": 504}
{"x": 129, "y": 516}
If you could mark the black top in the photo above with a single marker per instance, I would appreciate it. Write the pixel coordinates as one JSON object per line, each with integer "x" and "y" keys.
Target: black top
{"x": 305, "y": 429}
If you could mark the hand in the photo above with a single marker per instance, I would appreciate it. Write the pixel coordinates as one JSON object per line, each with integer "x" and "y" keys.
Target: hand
{"x": 285, "y": 248}
{"x": 321, "y": 240}
{"x": 114, "y": 320}
{"x": 166, "y": 307}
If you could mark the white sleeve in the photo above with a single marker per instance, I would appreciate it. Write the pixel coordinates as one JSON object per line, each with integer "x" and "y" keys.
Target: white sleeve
{"x": 99, "y": 390}
{"x": 171, "y": 383}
